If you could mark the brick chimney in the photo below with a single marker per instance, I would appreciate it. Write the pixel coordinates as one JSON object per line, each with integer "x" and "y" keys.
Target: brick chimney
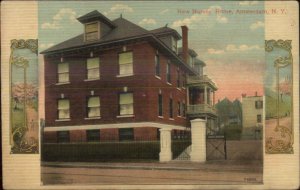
{"x": 185, "y": 46}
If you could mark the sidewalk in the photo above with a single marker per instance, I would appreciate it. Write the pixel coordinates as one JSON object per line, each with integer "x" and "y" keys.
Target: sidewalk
{"x": 213, "y": 166}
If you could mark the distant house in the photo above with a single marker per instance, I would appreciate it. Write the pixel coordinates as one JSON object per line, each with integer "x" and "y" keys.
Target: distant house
{"x": 252, "y": 107}
{"x": 119, "y": 81}
{"x": 229, "y": 113}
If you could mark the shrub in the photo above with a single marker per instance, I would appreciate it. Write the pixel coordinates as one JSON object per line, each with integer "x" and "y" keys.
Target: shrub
{"x": 232, "y": 132}
{"x": 101, "y": 151}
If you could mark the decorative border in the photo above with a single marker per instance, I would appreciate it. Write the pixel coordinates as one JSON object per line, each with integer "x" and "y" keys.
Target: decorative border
{"x": 23, "y": 146}
{"x": 277, "y": 146}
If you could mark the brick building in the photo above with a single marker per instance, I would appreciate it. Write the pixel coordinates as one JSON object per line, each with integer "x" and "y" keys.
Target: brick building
{"x": 118, "y": 81}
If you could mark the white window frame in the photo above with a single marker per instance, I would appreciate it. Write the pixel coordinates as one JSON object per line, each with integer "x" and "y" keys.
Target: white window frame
{"x": 128, "y": 64}
{"x": 59, "y": 110}
{"x": 96, "y": 68}
{"x": 126, "y": 109}
{"x": 59, "y": 81}
{"x": 96, "y": 107}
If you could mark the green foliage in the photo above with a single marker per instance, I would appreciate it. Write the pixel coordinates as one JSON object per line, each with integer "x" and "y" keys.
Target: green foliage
{"x": 101, "y": 151}
{"x": 226, "y": 108}
{"x": 232, "y": 132}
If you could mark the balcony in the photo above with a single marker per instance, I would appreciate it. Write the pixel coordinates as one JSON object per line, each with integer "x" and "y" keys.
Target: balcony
{"x": 199, "y": 109}
{"x": 203, "y": 79}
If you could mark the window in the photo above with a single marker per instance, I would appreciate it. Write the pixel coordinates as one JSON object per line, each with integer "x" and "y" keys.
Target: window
{"x": 125, "y": 63}
{"x": 178, "y": 109}
{"x": 191, "y": 61}
{"x": 63, "y": 72}
{"x": 168, "y": 72}
{"x": 63, "y": 109}
{"x": 201, "y": 70}
{"x": 183, "y": 109}
{"x": 157, "y": 65}
{"x": 93, "y": 135}
{"x": 174, "y": 44}
{"x": 126, "y": 134}
{"x": 63, "y": 136}
{"x": 93, "y": 107}
{"x": 126, "y": 104}
{"x": 91, "y": 31}
{"x": 171, "y": 108}
{"x": 92, "y": 67}
{"x": 183, "y": 80}
{"x": 258, "y": 118}
{"x": 178, "y": 78}
{"x": 160, "y": 105}
{"x": 259, "y": 104}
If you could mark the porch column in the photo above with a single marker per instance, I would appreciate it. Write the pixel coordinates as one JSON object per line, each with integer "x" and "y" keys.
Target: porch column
{"x": 165, "y": 154}
{"x": 214, "y": 98}
{"x": 188, "y": 95}
{"x": 198, "y": 153}
{"x": 205, "y": 95}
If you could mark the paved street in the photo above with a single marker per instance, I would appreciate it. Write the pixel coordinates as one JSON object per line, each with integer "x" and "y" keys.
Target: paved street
{"x": 225, "y": 172}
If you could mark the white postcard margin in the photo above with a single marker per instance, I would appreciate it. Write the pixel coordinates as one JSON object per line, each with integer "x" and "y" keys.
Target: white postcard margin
{"x": 19, "y": 21}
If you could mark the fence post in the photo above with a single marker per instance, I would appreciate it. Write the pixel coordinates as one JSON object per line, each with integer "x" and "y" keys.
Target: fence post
{"x": 198, "y": 153}
{"x": 165, "y": 154}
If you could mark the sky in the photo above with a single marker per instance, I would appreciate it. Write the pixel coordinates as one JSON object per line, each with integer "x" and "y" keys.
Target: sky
{"x": 31, "y": 70}
{"x": 231, "y": 44}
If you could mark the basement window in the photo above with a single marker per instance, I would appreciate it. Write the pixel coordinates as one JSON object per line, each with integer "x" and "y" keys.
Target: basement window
{"x": 63, "y": 136}
{"x": 93, "y": 135}
{"x": 126, "y": 134}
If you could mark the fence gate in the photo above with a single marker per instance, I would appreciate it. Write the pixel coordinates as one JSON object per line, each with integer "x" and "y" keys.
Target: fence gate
{"x": 216, "y": 147}
{"x": 181, "y": 145}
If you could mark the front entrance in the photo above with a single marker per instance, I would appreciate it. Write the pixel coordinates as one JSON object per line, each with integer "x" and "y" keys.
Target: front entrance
{"x": 181, "y": 145}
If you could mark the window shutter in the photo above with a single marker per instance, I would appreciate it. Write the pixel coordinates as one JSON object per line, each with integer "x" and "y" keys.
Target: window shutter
{"x": 91, "y": 27}
{"x": 126, "y": 98}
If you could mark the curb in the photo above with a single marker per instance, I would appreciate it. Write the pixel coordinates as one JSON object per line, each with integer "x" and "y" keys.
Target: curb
{"x": 169, "y": 168}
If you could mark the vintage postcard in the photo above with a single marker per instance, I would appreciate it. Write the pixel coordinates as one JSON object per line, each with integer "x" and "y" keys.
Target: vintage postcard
{"x": 150, "y": 94}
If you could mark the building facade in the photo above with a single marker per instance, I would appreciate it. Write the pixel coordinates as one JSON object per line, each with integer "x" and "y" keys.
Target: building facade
{"x": 118, "y": 81}
{"x": 252, "y": 107}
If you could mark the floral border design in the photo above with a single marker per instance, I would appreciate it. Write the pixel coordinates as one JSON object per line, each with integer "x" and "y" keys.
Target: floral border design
{"x": 23, "y": 146}
{"x": 278, "y": 146}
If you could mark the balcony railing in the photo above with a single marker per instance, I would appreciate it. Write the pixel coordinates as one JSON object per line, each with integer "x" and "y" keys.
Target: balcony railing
{"x": 201, "y": 109}
{"x": 200, "y": 79}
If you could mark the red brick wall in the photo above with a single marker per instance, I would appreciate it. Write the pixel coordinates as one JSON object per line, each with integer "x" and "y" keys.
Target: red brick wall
{"x": 78, "y": 136}
{"x": 109, "y": 134}
{"x": 50, "y": 137}
{"x": 112, "y": 134}
{"x": 144, "y": 85}
{"x": 145, "y": 133}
